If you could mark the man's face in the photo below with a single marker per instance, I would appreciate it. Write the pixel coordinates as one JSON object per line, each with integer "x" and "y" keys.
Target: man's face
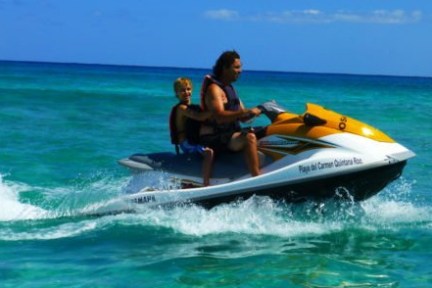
{"x": 233, "y": 72}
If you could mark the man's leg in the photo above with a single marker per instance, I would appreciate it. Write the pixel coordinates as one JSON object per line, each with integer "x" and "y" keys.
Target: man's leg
{"x": 248, "y": 143}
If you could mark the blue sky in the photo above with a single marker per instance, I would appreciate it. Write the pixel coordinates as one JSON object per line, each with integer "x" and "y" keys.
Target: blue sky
{"x": 357, "y": 37}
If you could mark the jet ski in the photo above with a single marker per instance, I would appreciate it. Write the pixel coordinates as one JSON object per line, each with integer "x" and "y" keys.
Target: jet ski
{"x": 317, "y": 155}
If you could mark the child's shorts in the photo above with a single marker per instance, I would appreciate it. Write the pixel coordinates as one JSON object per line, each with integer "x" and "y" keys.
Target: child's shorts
{"x": 188, "y": 148}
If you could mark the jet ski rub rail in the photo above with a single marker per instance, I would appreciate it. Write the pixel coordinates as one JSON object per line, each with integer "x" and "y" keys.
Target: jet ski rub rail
{"x": 357, "y": 186}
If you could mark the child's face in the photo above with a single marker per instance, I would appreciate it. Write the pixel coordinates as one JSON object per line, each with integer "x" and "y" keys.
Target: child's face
{"x": 184, "y": 93}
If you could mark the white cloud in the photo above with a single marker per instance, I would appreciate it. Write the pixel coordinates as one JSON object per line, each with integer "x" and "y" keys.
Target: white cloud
{"x": 394, "y": 17}
{"x": 378, "y": 17}
{"x": 222, "y": 14}
{"x": 317, "y": 16}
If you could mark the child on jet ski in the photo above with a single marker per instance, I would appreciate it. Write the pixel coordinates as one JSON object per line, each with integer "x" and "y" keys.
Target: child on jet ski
{"x": 185, "y": 122}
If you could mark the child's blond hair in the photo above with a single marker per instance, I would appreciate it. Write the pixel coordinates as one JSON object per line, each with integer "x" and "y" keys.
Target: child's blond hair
{"x": 180, "y": 82}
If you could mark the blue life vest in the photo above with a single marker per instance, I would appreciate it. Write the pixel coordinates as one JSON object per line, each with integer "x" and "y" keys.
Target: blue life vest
{"x": 192, "y": 127}
{"x": 233, "y": 103}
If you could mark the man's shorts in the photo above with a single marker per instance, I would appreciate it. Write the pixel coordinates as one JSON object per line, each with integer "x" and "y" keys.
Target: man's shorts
{"x": 218, "y": 142}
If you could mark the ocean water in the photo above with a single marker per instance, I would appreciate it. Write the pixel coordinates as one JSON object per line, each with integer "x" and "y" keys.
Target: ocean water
{"x": 64, "y": 126}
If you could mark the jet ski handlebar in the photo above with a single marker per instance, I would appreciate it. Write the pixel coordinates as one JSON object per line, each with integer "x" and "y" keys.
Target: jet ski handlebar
{"x": 271, "y": 109}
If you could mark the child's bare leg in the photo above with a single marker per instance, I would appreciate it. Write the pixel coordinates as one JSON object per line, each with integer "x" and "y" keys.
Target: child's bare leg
{"x": 207, "y": 165}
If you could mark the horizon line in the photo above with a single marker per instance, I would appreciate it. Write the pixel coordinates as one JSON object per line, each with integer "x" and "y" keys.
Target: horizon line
{"x": 202, "y": 68}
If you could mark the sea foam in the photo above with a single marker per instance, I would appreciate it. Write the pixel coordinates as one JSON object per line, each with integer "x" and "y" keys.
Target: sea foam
{"x": 11, "y": 208}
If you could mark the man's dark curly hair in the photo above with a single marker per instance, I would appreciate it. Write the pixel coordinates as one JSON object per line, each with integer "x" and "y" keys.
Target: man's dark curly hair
{"x": 225, "y": 60}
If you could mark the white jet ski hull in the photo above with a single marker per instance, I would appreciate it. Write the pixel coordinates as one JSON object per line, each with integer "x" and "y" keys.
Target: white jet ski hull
{"x": 337, "y": 157}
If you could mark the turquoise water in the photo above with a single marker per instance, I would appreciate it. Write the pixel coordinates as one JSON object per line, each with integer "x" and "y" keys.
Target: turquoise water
{"x": 63, "y": 127}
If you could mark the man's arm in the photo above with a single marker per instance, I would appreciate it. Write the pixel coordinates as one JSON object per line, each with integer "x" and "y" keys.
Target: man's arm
{"x": 253, "y": 112}
{"x": 214, "y": 101}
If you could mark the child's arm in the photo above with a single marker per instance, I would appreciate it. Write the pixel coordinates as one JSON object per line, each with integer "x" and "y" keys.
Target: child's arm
{"x": 199, "y": 116}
